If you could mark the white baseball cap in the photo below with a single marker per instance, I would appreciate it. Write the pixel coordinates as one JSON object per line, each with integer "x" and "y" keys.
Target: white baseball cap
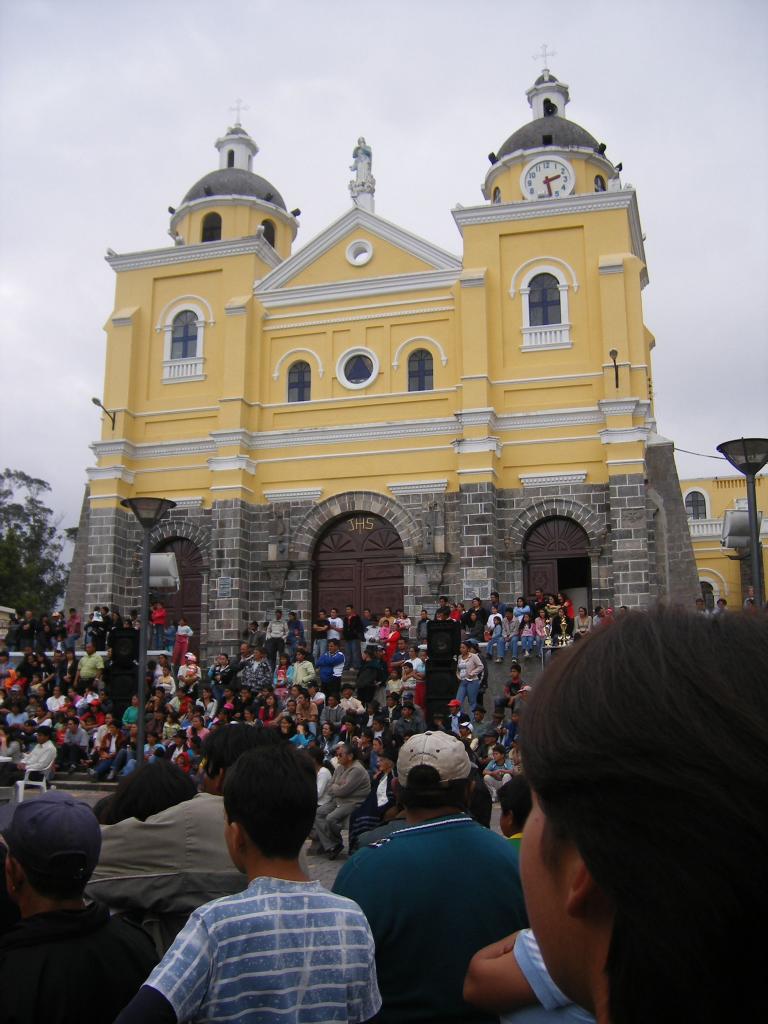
{"x": 442, "y": 751}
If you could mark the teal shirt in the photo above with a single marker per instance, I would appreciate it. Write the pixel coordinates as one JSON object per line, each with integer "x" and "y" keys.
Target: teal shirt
{"x": 434, "y": 894}
{"x": 130, "y": 716}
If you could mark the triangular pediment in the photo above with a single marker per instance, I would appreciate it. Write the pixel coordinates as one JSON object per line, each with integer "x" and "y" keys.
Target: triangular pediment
{"x": 384, "y": 251}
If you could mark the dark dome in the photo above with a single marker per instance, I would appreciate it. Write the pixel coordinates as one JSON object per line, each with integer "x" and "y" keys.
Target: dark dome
{"x": 231, "y": 181}
{"x": 560, "y": 134}
{"x": 542, "y": 79}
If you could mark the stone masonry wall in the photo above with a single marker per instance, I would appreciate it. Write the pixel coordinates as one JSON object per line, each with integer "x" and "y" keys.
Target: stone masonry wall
{"x": 629, "y": 541}
{"x": 676, "y": 555}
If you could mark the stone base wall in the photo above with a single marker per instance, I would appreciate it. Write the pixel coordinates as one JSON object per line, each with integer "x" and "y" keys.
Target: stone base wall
{"x": 466, "y": 543}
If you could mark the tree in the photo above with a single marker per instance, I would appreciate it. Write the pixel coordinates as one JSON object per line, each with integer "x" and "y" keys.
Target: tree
{"x": 32, "y": 574}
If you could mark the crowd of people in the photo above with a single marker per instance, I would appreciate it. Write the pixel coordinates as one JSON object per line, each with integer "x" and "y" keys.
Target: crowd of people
{"x": 348, "y": 677}
{"x": 630, "y": 777}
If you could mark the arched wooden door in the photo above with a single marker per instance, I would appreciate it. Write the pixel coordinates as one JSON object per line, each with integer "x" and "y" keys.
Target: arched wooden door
{"x": 188, "y": 599}
{"x": 358, "y": 561}
{"x": 557, "y": 553}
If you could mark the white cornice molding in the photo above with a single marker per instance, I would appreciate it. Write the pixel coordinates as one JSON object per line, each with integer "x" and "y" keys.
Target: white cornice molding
{"x": 304, "y": 325}
{"x": 224, "y": 463}
{"x": 478, "y": 418}
{"x": 549, "y": 418}
{"x": 552, "y": 479}
{"x": 403, "y": 487}
{"x": 237, "y": 305}
{"x": 129, "y": 450}
{"x": 450, "y": 427}
{"x": 339, "y": 291}
{"x": 124, "y": 317}
{"x": 250, "y": 246}
{"x": 357, "y": 219}
{"x": 353, "y": 433}
{"x": 472, "y": 445}
{"x": 591, "y": 202}
{"x": 473, "y": 278}
{"x": 195, "y": 502}
{"x": 621, "y": 406}
{"x": 110, "y": 473}
{"x": 623, "y": 435}
{"x": 297, "y": 494}
{"x": 610, "y": 265}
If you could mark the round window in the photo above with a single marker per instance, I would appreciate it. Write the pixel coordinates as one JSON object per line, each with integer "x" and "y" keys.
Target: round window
{"x": 358, "y": 369}
{"x": 359, "y": 252}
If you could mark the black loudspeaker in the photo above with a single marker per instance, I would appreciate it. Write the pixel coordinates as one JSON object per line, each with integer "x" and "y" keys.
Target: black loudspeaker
{"x": 125, "y": 647}
{"x": 443, "y": 639}
{"x": 442, "y": 685}
{"x": 122, "y": 684}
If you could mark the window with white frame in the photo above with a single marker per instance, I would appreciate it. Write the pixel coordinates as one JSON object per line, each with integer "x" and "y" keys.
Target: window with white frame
{"x": 544, "y": 293}
{"x": 696, "y": 505}
{"x": 300, "y": 382}
{"x": 183, "y": 327}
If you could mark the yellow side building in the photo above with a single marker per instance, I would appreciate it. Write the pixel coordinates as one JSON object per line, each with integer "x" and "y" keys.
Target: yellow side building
{"x": 370, "y": 419}
{"x": 724, "y": 572}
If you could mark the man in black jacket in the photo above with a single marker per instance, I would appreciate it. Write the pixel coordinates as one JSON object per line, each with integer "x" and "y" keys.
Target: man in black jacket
{"x": 53, "y": 843}
{"x": 372, "y": 674}
{"x": 354, "y": 633}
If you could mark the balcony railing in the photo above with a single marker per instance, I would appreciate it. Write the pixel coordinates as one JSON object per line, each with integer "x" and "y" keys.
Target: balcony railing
{"x": 183, "y": 369}
{"x": 700, "y": 528}
{"x": 551, "y": 336}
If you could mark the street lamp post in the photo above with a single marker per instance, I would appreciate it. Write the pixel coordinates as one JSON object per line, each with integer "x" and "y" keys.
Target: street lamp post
{"x": 748, "y": 455}
{"x": 149, "y": 512}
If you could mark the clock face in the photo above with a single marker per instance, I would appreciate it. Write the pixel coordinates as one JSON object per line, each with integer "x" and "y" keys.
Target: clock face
{"x": 547, "y": 178}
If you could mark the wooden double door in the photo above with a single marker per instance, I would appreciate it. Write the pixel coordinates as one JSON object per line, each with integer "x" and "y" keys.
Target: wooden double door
{"x": 188, "y": 599}
{"x": 358, "y": 561}
{"x": 557, "y": 559}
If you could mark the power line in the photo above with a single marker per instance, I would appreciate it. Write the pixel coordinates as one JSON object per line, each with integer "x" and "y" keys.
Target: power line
{"x": 702, "y": 455}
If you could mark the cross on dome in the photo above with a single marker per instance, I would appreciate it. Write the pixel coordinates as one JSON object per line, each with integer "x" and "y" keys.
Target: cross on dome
{"x": 237, "y": 108}
{"x": 545, "y": 53}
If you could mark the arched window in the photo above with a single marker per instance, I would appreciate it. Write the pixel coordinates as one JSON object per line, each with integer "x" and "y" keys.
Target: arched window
{"x": 420, "y": 374}
{"x": 496, "y": 196}
{"x": 184, "y": 335}
{"x": 211, "y": 228}
{"x": 544, "y": 301}
{"x": 599, "y": 183}
{"x": 269, "y": 232}
{"x": 230, "y": 158}
{"x": 299, "y": 382}
{"x": 696, "y": 505}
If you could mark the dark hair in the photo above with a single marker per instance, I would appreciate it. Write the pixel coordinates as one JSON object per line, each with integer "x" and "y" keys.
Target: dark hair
{"x": 515, "y": 799}
{"x": 425, "y": 790}
{"x": 152, "y": 788}
{"x": 222, "y": 747}
{"x": 272, "y": 793}
{"x": 647, "y": 747}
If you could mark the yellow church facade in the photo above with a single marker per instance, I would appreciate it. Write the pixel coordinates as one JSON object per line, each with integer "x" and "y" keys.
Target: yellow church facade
{"x": 723, "y": 571}
{"x": 370, "y": 419}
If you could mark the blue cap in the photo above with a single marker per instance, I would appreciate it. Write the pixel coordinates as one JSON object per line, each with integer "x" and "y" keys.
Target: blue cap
{"x": 53, "y": 835}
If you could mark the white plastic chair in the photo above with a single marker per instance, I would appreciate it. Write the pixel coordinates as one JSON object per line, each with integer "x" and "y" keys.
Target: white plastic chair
{"x": 41, "y": 783}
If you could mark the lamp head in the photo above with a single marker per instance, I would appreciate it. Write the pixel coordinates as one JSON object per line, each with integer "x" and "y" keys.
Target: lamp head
{"x": 614, "y": 354}
{"x": 746, "y": 454}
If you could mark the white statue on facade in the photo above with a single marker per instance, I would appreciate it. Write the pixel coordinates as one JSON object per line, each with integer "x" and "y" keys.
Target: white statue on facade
{"x": 363, "y": 186}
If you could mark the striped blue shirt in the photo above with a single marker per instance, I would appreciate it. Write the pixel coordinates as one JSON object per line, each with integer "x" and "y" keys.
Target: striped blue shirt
{"x": 278, "y": 952}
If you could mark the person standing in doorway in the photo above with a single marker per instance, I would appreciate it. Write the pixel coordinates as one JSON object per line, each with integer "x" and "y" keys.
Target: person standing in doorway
{"x": 353, "y": 631}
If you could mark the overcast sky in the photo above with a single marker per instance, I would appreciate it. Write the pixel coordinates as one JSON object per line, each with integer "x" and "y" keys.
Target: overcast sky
{"x": 109, "y": 112}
